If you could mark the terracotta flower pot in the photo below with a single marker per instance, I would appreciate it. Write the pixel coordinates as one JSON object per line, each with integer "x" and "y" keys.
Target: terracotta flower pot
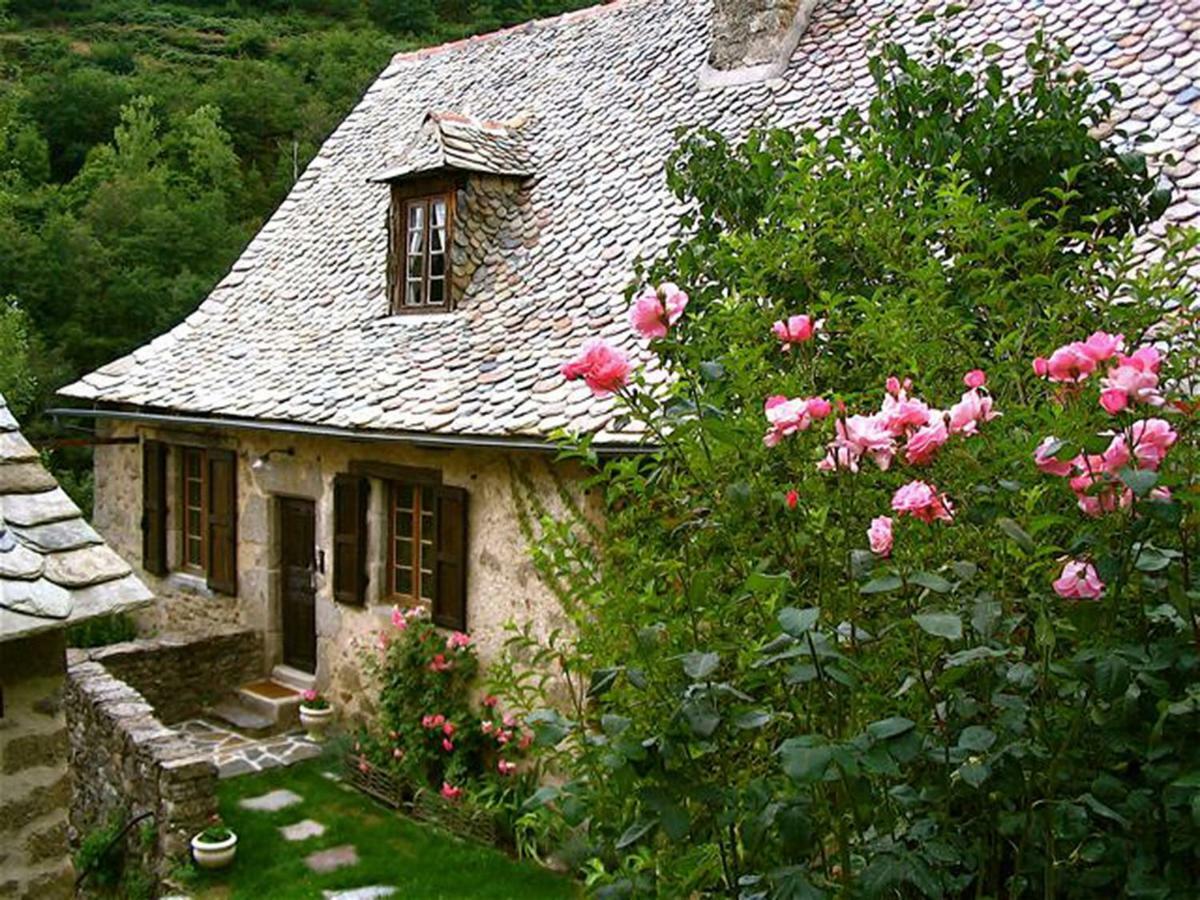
{"x": 214, "y": 854}
{"x": 315, "y": 721}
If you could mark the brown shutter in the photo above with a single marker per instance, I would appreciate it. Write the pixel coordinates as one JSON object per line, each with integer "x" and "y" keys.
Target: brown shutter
{"x": 350, "y": 498}
{"x": 394, "y": 257}
{"x": 154, "y": 507}
{"x": 450, "y": 571}
{"x": 222, "y": 521}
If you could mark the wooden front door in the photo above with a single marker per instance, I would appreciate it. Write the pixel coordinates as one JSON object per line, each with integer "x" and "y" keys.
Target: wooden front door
{"x": 297, "y": 534}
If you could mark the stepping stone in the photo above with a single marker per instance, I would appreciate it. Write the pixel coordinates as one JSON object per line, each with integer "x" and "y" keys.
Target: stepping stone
{"x": 334, "y": 858}
{"x": 331, "y": 776}
{"x": 272, "y": 801}
{"x": 302, "y": 831}
{"x": 362, "y": 893}
{"x": 299, "y": 753}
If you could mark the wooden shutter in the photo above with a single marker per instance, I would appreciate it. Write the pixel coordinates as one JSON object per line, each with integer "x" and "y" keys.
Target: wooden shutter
{"x": 222, "y": 521}
{"x": 350, "y": 498}
{"x": 154, "y": 507}
{"x": 450, "y": 568}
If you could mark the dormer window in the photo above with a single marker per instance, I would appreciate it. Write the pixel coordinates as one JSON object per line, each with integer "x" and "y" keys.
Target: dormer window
{"x": 423, "y": 226}
{"x": 438, "y": 167}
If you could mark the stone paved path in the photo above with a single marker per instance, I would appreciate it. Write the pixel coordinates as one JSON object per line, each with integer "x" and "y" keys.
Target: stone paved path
{"x": 236, "y": 754}
{"x": 334, "y": 858}
{"x": 272, "y": 801}
{"x": 302, "y": 831}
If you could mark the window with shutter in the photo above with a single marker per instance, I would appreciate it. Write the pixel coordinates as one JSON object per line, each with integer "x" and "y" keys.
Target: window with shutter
{"x": 427, "y": 546}
{"x": 351, "y": 496}
{"x": 154, "y": 507}
{"x": 221, "y": 530}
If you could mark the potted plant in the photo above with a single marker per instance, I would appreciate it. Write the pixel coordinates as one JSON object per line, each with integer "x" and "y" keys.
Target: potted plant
{"x": 215, "y": 846}
{"x": 315, "y": 714}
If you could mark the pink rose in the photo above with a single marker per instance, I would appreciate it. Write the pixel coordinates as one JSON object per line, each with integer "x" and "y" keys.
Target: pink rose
{"x": 448, "y": 729}
{"x": 1070, "y": 363}
{"x": 504, "y": 767}
{"x": 900, "y": 413}
{"x": 922, "y": 501}
{"x": 447, "y": 745}
{"x": 1045, "y": 461}
{"x": 458, "y": 640}
{"x": 654, "y": 311}
{"x": 819, "y": 407}
{"x": 792, "y": 500}
{"x": 1152, "y": 438}
{"x": 787, "y": 417}
{"x": 867, "y": 436}
{"x": 1102, "y": 346}
{"x": 1079, "y": 581}
{"x": 1041, "y": 367}
{"x": 975, "y": 378}
{"x": 487, "y": 727}
{"x": 1113, "y": 400}
{"x": 924, "y": 443}
{"x": 970, "y": 412}
{"x": 895, "y": 386}
{"x": 604, "y": 369}
{"x": 793, "y": 330}
{"x": 398, "y": 619}
{"x": 490, "y": 701}
{"x": 309, "y": 695}
{"x": 397, "y": 753}
{"x": 879, "y": 535}
{"x": 450, "y": 792}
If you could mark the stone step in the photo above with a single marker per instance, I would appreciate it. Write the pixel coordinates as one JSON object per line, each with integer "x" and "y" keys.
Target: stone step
{"x": 293, "y": 678}
{"x": 280, "y": 703}
{"x": 246, "y": 721}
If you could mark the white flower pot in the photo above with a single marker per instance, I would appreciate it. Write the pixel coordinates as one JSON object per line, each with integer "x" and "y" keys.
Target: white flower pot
{"x": 316, "y": 721}
{"x": 214, "y": 854}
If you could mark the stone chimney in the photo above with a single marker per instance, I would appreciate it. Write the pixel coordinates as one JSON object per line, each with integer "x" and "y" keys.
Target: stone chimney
{"x": 753, "y": 40}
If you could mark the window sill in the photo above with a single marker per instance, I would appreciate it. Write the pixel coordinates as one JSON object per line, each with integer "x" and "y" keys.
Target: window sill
{"x": 190, "y": 583}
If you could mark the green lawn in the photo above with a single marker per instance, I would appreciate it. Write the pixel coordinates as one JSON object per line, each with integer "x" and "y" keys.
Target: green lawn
{"x": 420, "y": 861}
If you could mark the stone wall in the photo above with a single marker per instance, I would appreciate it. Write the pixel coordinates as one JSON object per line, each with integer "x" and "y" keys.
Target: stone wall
{"x": 126, "y": 762}
{"x": 179, "y": 677}
{"x": 502, "y": 585}
{"x": 35, "y": 786}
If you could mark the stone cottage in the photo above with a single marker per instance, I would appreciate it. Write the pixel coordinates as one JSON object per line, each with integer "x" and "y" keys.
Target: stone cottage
{"x": 54, "y": 571}
{"x": 337, "y": 428}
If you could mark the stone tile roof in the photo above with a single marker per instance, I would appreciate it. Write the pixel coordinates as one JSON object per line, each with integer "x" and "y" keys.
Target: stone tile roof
{"x": 450, "y": 141}
{"x": 54, "y": 568}
{"x": 299, "y": 330}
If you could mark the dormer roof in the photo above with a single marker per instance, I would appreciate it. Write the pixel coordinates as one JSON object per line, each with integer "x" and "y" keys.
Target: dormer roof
{"x": 452, "y": 142}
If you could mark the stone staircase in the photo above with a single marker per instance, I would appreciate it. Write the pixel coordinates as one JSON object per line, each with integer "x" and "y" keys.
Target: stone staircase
{"x": 265, "y": 707}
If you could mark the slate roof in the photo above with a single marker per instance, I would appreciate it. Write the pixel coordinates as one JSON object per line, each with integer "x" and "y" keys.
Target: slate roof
{"x": 299, "y": 330}
{"x": 55, "y": 569}
{"x": 451, "y": 141}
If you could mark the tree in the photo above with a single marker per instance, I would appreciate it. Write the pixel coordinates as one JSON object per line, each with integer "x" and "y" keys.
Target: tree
{"x": 17, "y": 382}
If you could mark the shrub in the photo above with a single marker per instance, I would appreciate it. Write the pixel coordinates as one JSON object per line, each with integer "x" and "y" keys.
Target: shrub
{"x": 428, "y": 732}
{"x": 842, "y": 631}
{"x": 102, "y": 631}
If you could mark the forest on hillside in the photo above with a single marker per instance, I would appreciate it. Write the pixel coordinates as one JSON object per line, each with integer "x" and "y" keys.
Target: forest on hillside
{"x": 143, "y": 143}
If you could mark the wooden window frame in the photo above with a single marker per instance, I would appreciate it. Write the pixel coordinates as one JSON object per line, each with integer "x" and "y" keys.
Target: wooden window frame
{"x": 403, "y": 198}
{"x": 419, "y": 492}
{"x": 185, "y": 535}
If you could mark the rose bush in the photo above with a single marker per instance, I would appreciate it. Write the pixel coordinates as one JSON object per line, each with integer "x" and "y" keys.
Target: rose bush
{"x": 429, "y": 731}
{"x": 903, "y": 602}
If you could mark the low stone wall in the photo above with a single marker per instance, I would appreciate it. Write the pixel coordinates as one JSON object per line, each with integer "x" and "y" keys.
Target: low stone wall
{"x": 126, "y": 762}
{"x": 180, "y": 676}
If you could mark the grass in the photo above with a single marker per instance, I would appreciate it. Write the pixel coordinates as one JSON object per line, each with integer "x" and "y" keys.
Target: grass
{"x": 420, "y": 861}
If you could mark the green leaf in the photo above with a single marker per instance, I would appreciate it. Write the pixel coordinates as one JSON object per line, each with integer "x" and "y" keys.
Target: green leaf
{"x": 1018, "y": 534}
{"x": 882, "y": 585}
{"x": 976, "y": 738}
{"x": 633, "y": 834}
{"x": 613, "y": 724}
{"x": 935, "y": 583}
{"x": 798, "y": 621}
{"x": 702, "y": 717}
{"x": 943, "y": 625}
{"x": 602, "y": 681}
{"x": 699, "y": 666}
{"x": 755, "y": 718}
{"x": 543, "y": 795}
{"x": 1140, "y": 481}
{"x": 974, "y": 774}
{"x": 885, "y": 729}
{"x": 675, "y": 822}
{"x": 804, "y": 762}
